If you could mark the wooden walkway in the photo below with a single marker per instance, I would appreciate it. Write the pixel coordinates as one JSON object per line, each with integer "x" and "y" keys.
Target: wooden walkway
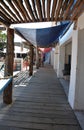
{"x": 38, "y": 104}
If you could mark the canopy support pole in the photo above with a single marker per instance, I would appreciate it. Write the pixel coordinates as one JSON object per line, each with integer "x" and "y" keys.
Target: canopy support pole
{"x": 31, "y": 61}
{"x": 7, "y": 94}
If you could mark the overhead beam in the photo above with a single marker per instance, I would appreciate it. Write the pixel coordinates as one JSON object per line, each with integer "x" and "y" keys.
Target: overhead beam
{"x": 4, "y": 22}
{"x": 68, "y": 9}
{"x": 29, "y": 9}
{"x": 77, "y": 11}
{"x": 24, "y": 10}
{"x": 64, "y": 6}
{"x": 15, "y": 10}
{"x": 58, "y": 9}
{"x": 20, "y": 10}
{"x": 6, "y": 15}
{"x": 38, "y": 4}
{"x": 10, "y": 11}
{"x": 34, "y": 10}
{"x": 53, "y": 9}
{"x": 48, "y": 9}
{"x": 43, "y": 8}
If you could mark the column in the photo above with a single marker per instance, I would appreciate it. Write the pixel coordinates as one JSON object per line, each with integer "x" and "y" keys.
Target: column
{"x": 37, "y": 58}
{"x": 31, "y": 61}
{"x": 76, "y": 90}
{"x": 61, "y": 61}
{"x": 7, "y": 94}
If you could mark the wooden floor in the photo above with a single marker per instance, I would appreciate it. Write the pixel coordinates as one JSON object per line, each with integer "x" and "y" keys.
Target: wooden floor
{"x": 38, "y": 104}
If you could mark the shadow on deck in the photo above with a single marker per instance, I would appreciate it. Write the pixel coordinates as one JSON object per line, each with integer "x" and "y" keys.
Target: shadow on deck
{"x": 38, "y": 104}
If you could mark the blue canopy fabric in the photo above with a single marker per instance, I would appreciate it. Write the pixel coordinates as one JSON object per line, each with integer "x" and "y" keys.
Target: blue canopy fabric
{"x": 43, "y": 37}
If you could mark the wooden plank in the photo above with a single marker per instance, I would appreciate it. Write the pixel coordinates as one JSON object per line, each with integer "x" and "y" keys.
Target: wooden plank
{"x": 77, "y": 10}
{"x": 58, "y": 10}
{"x": 30, "y": 10}
{"x": 34, "y": 9}
{"x": 48, "y": 9}
{"x": 20, "y": 10}
{"x": 38, "y": 5}
{"x": 68, "y": 9}
{"x": 14, "y": 18}
{"x": 64, "y": 6}
{"x": 6, "y": 15}
{"x": 4, "y": 22}
{"x": 43, "y": 7}
{"x": 24, "y": 10}
{"x": 53, "y": 9}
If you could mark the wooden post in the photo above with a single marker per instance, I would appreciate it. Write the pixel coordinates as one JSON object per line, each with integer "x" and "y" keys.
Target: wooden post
{"x": 7, "y": 94}
{"x": 31, "y": 61}
{"x": 37, "y": 58}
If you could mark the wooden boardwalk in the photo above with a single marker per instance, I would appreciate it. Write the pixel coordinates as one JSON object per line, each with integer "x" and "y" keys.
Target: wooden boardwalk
{"x": 38, "y": 104}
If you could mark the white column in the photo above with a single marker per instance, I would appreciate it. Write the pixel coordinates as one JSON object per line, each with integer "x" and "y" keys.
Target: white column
{"x": 76, "y": 90}
{"x": 56, "y": 54}
{"x": 61, "y": 61}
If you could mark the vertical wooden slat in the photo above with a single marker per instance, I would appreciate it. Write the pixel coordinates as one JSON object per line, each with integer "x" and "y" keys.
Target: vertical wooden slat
{"x": 43, "y": 7}
{"x": 53, "y": 9}
{"x": 29, "y": 9}
{"x": 31, "y": 60}
{"x": 7, "y": 94}
{"x": 24, "y": 10}
{"x": 48, "y": 9}
{"x": 68, "y": 9}
{"x": 34, "y": 9}
{"x": 14, "y": 9}
{"x": 20, "y": 10}
{"x": 58, "y": 9}
{"x": 14, "y": 18}
{"x": 38, "y": 3}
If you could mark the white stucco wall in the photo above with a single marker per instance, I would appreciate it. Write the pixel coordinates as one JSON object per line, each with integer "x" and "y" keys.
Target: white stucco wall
{"x": 81, "y": 22}
{"x": 61, "y": 61}
{"x": 76, "y": 91}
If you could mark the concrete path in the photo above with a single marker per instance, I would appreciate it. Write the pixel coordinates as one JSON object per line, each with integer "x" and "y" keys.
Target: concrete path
{"x": 39, "y": 103}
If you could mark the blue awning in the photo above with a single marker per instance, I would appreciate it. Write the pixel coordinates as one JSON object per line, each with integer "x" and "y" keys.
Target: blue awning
{"x": 43, "y": 37}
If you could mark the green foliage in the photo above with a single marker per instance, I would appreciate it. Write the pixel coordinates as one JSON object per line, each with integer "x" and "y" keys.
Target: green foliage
{"x": 3, "y": 39}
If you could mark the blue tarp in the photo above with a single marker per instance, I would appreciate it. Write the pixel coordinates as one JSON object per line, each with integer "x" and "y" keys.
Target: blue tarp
{"x": 43, "y": 37}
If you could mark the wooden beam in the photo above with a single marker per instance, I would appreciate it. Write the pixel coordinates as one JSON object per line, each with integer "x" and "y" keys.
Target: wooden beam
{"x": 38, "y": 3}
{"x": 20, "y": 10}
{"x": 58, "y": 9}
{"x": 4, "y": 22}
{"x": 48, "y": 9}
{"x": 31, "y": 61}
{"x": 68, "y": 9}
{"x": 6, "y": 15}
{"x": 53, "y": 9}
{"x": 27, "y": 3}
{"x": 77, "y": 11}
{"x": 64, "y": 6}
{"x": 34, "y": 9}
{"x": 16, "y": 12}
{"x": 75, "y": 6}
{"x": 10, "y": 11}
{"x": 7, "y": 94}
{"x": 43, "y": 7}
{"x": 24, "y": 10}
